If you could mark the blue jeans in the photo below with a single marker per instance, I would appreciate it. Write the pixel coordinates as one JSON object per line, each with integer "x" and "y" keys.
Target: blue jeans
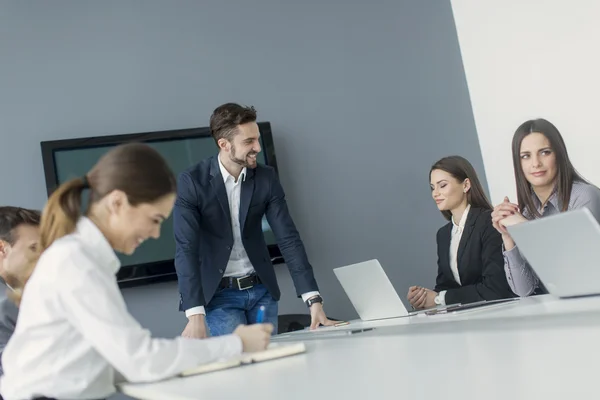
{"x": 231, "y": 307}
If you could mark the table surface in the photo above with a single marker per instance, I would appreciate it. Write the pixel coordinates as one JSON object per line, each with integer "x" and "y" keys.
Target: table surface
{"x": 524, "y": 307}
{"x": 537, "y": 348}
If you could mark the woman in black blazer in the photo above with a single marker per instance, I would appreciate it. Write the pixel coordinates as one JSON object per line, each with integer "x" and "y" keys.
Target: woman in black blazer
{"x": 470, "y": 260}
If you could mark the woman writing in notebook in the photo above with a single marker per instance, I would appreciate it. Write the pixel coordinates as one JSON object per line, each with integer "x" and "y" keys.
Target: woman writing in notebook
{"x": 547, "y": 184}
{"x": 74, "y": 334}
{"x": 469, "y": 248}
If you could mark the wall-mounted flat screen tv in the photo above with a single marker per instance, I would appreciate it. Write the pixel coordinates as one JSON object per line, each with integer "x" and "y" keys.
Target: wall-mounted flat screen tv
{"x": 153, "y": 261}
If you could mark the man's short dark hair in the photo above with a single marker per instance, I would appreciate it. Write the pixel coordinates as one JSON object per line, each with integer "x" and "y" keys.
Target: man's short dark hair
{"x": 12, "y": 217}
{"x": 226, "y": 118}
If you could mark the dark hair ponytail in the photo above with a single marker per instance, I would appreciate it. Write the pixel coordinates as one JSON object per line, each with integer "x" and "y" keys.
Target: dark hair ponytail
{"x": 62, "y": 212}
{"x": 59, "y": 218}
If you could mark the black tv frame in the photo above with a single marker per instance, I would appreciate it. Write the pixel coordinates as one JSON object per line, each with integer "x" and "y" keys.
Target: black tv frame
{"x": 159, "y": 271}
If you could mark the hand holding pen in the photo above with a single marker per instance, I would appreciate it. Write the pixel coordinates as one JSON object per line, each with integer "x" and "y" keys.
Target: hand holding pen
{"x": 255, "y": 337}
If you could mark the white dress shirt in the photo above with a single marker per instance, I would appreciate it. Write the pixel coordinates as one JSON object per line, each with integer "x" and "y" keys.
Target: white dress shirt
{"x": 457, "y": 231}
{"x": 239, "y": 264}
{"x": 74, "y": 334}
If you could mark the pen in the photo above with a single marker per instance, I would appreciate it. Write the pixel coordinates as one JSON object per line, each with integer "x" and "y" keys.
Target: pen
{"x": 260, "y": 316}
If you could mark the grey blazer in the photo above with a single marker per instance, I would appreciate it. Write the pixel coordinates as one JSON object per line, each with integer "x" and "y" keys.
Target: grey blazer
{"x": 8, "y": 321}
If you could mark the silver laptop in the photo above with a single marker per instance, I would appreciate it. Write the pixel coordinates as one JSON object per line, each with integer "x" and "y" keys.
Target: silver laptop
{"x": 563, "y": 250}
{"x": 370, "y": 291}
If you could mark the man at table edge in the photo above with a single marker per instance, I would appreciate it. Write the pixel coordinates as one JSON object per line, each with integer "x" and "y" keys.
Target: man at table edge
{"x": 224, "y": 270}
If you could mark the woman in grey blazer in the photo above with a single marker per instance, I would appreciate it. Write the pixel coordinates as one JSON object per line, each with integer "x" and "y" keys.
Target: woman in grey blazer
{"x": 547, "y": 184}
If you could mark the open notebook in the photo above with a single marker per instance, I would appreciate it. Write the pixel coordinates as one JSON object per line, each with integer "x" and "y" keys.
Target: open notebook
{"x": 274, "y": 351}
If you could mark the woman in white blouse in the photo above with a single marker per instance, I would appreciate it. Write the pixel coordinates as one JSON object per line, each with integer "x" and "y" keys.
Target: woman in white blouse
{"x": 74, "y": 334}
{"x": 470, "y": 264}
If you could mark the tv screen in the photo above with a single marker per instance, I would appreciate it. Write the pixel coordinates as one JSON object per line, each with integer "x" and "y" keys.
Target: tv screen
{"x": 153, "y": 260}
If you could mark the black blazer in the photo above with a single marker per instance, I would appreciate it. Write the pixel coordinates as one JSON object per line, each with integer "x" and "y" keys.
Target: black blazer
{"x": 204, "y": 237}
{"x": 480, "y": 261}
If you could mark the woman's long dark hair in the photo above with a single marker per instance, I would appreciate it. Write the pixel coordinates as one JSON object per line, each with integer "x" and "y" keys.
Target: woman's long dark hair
{"x": 461, "y": 169}
{"x": 565, "y": 175}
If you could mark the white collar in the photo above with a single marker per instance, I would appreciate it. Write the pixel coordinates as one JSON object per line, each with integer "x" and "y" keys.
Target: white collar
{"x": 96, "y": 242}
{"x": 463, "y": 219}
{"x": 226, "y": 173}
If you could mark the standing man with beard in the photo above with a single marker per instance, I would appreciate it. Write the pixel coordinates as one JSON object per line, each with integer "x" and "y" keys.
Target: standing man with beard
{"x": 223, "y": 265}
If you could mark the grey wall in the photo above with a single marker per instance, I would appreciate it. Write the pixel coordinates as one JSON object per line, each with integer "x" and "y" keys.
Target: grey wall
{"x": 362, "y": 98}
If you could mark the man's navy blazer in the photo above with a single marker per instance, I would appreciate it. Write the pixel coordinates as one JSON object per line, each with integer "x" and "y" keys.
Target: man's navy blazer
{"x": 204, "y": 236}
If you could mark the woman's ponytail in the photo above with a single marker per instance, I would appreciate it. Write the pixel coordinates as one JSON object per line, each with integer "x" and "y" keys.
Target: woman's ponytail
{"x": 62, "y": 212}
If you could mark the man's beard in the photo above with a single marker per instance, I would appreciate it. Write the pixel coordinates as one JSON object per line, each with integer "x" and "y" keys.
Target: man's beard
{"x": 244, "y": 162}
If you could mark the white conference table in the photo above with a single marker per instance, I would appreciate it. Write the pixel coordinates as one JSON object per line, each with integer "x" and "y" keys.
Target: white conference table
{"x": 524, "y": 307}
{"x": 538, "y": 348}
